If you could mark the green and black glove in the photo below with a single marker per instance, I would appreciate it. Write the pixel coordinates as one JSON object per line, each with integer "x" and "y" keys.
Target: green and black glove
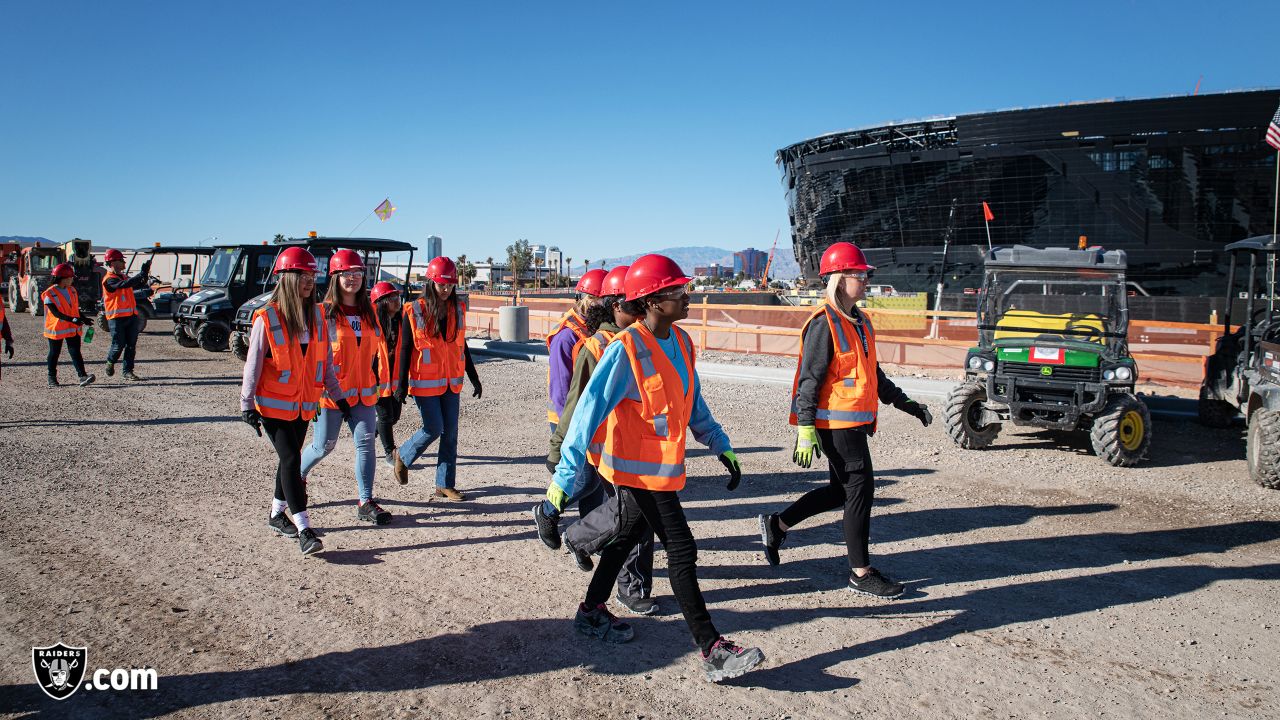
{"x": 807, "y": 446}
{"x": 730, "y": 461}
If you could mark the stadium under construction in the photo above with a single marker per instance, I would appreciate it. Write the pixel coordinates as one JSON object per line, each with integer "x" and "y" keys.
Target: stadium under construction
{"x": 1170, "y": 181}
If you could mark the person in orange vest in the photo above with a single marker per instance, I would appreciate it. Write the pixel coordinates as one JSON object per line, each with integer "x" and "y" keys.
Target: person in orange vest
{"x": 570, "y": 330}
{"x": 289, "y": 365}
{"x": 62, "y": 323}
{"x": 837, "y": 389}
{"x": 6, "y": 333}
{"x": 120, "y": 307}
{"x": 388, "y": 305}
{"x": 631, "y": 421}
{"x": 360, "y": 359}
{"x": 433, "y": 358}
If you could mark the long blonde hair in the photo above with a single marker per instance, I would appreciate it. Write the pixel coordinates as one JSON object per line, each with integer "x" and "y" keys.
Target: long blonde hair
{"x": 296, "y": 312}
{"x": 837, "y": 299}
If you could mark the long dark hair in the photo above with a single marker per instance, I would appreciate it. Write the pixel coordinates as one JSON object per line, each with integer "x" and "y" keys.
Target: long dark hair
{"x": 333, "y": 298}
{"x": 440, "y": 311}
{"x": 389, "y": 321}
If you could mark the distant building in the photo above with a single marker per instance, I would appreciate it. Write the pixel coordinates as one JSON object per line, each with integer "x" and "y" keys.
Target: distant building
{"x": 750, "y": 262}
{"x": 714, "y": 270}
{"x": 435, "y": 247}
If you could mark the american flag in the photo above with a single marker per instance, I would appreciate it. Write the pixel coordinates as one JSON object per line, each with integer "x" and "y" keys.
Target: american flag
{"x": 1273, "y": 131}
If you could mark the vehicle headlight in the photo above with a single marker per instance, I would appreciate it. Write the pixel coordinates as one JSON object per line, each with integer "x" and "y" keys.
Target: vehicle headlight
{"x": 1123, "y": 373}
{"x": 1108, "y": 374}
{"x": 199, "y": 309}
{"x": 989, "y": 365}
{"x": 975, "y": 362}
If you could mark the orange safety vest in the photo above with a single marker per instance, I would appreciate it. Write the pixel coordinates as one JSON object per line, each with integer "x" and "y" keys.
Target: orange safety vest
{"x": 436, "y": 365}
{"x": 291, "y": 383}
{"x": 641, "y": 443}
{"x": 594, "y": 345}
{"x": 849, "y": 395}
{"x": 354, "y": 362}
{"x": 575, "y": 322}
{"x": 67, "y": 301}
{"x": 393, "y": 355}
{"x": 120, "y": 303}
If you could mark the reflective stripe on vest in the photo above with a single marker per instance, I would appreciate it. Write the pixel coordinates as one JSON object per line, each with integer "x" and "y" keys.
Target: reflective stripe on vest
{"x": 286, "y": 390}
{"x": 67, "y": 302}
{"x": 118, "y": 303}
{"x": 848, "y": 394}
{"x": 437, "y": 366}
{"x": 354, "y": 358}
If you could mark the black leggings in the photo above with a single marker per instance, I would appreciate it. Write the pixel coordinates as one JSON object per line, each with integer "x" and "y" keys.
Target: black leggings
{"x": 851, "y": 485}
{"x": 73, "y": 349}
{"x": 388, "y": 416}
{"x": 288, "y": 437}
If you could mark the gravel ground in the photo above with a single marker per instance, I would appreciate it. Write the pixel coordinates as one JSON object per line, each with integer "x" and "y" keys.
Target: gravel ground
{"x": 1042, "y": 582}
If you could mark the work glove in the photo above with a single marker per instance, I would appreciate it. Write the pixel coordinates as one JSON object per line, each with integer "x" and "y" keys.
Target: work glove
{"x": 146, "y": 268}
{"x": 401, "y": 394}
{"x": 807, "y": 446}
{"x": 911, "y": 407}
{"x": 253, "y": 420}
{"x": 8, "y": 350}
{"x": 77, "y": 321}
{"x": 345, "y": 408}
{"x": 478, "y": 390}
{"x": 729, "y": 459}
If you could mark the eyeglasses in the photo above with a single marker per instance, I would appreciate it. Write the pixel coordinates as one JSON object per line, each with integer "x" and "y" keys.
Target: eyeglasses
{"x": 860, "y": 276}
{"x": 673, "y": 294}
{"x": 351, "y": 273}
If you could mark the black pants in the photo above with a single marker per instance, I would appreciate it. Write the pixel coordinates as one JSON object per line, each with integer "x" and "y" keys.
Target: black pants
{"x": 851, "y": 485}
{"x": 124, "y": 340}
{"x": 288, "y": 437}
{"x": 73, "y": 349}
{"x": 643, "y": 512}
{"x": 388, "y": 416}
{"x": 598, "y": 527}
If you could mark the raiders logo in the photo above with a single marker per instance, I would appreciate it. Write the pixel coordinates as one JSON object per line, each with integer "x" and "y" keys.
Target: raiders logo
{"x": 59, "y": 669}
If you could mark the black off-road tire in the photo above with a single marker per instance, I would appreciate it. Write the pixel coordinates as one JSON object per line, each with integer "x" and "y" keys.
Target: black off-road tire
{"x": 35, "y": 306}
{"x": 142, "y": 321}
{"x": 15, "y": 297}
{"x": 240, "y": 346}
{"x": 1262, "y": 449}
{"x": 1215, "y": 413}
{"x": 1121, "y": 433}
{"x": 213, "y": 336}
{"x": 962, "y": 403}
{"x": 184, "y": 338}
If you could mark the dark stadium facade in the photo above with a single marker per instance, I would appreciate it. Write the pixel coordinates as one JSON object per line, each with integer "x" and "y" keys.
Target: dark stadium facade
{"x": 1170, "y": 181}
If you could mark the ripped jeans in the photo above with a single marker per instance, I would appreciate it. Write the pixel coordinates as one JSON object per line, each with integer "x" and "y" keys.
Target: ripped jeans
{"x": 325, "y": 438}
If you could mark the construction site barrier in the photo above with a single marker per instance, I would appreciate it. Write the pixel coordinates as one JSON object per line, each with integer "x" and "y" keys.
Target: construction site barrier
{"x": 1167, "y": 352}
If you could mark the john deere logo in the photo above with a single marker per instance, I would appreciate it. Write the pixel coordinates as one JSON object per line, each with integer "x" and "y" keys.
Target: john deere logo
{"x": 1046, "y": 370}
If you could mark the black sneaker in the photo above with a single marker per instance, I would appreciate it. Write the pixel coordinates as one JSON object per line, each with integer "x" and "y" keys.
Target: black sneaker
{"x": 581, "y": 557}
{"x": 601, "y": 623}
{"x": 131, "y": 376}
{"x": 53, "y": 382}
{"x": 771, "y": 535}
{"x": 111, "y": 368}
{"x": 283, "y": 525}
{"x": 309, "y": 543}
{"x": 875, "y": 585}
{"x": 729, "y": 660}
{"x": 548, "y": 528}
{"x": 637, "y": 605}
{"x": 87, "y": 379}
{"x": 372, "y": 512}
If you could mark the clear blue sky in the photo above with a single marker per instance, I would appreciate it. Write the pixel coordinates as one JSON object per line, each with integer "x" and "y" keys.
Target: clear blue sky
{"x": 602, "y": 129}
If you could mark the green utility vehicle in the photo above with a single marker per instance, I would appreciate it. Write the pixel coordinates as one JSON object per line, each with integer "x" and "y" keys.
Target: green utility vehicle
{"x": 1052, "y": 353}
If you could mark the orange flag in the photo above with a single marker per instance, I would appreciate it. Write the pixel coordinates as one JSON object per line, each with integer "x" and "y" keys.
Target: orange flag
{"x": 986, "y": 212}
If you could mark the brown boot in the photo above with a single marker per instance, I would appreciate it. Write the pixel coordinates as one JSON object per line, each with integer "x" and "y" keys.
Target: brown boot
{"x": 402, "y": 471}
{"x": 449, "y": 494}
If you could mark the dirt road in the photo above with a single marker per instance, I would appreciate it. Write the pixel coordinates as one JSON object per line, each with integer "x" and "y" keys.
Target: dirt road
{"x": 1042, "y": 582}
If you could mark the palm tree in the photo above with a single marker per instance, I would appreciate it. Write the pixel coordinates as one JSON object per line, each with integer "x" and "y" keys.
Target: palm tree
{"x": 586, "y": 265}
{"x": 568, "y": 263}
{"x": 491, "y": 278}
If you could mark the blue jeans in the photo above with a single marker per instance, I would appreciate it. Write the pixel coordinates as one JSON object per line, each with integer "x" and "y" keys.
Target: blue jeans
{"x": 124, "y": 339}
{"x": 439, "y": 420}
{"x": 362, "y": 423}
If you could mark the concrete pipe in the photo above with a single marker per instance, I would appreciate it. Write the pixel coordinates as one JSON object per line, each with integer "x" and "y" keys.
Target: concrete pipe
{"x": 513, "y": 323}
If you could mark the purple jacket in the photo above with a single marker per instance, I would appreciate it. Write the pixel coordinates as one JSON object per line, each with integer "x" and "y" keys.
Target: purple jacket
{"x": 561, "y": 360}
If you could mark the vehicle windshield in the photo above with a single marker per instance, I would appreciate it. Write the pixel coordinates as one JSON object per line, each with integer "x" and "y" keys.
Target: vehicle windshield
{"x": 221, "y": 264}
{"x": 1059, "y": 305}
{"x": 43, "y": 262}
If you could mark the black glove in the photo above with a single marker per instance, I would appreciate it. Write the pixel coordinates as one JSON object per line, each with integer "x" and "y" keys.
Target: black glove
{"x": 77, "y": 321}
{"x": 253, "y": 420}
{"x": 915, "y": 409}
{"x": 146, "y": 268}
{"x": 345, "y": 408}
{"x": 400, "y": 395}
{"x": 551, "y": 467}
{"x": 730, "y": 461}
{"x": 8, "y": 349}
{"x": 478, "y": 390}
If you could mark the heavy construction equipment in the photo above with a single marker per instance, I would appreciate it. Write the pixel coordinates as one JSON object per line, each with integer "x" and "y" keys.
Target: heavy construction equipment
{"x": 33, "y": 275}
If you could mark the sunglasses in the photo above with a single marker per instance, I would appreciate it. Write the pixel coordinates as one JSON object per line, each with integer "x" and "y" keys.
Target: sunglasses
{"x": 674, "y": 294}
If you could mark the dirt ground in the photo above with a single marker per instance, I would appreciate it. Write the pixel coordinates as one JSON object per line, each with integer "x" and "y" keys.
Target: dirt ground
{"x": 1042, "y": 583}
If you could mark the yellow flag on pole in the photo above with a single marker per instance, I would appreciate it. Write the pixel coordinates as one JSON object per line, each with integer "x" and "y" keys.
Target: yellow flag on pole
{"x": 385, "y": 209}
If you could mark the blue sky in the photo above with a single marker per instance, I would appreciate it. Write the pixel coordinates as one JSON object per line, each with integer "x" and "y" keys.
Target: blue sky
{"x": 602, "y": 128}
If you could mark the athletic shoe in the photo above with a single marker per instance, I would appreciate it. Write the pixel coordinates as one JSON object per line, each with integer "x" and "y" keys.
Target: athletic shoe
{"x": 87, "y": 379}
{"x": 771, "y": 535}
{"x": 581, "y": 557}
{"x": 548, "y": 527}
{"x": 601, "y": 623}
{"x": 637, "y": 605}
{"x": 373, "y": 513}
{"x": 729, "y": 660}
{"x": 390, "y": 460}
{"x": 53, "y": 382}
{"x": 131, "y": 376}
{"x": 875, "y": 585}
{"x": 401, "y": 470}
{"x": 309, "y": 543}
{"x": 111, "y": 369}
{"x": 283, "y": 525}
{"x": 450, "y": 494}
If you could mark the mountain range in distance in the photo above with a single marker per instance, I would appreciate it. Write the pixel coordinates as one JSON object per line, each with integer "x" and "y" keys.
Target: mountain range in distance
{"x": 784, "y": 265}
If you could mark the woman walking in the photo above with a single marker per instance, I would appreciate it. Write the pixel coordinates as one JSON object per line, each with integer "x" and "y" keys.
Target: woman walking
{"x": 290, "y": 363}
{"x": 433, "y": 358}
{"x": 837, "y": 389}
{"x": 360, "y": 361}
{"x": 632, "y": 416}
{"x": 564, "y": 340}
{"x": 62, "y": 323}
{"x": 387, "y": 305}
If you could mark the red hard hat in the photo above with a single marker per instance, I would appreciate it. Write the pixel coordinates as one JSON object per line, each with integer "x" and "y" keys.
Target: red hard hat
{"x": 613, "y": 282}
{"x": 651, "y": 273}
{"x": 63, "y": 270}
{"x": 441, "y": 270}
{"x": 112, "y": 255}
{"x": 843, "y": 256}
{"x": 591, "y": 281}
{"x": 295, "y": 258}
{"x": 344, "y": 260}
{"x": 382, "y": 290}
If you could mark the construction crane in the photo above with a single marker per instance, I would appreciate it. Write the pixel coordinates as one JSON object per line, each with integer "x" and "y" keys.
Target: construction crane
{"x": 764, "y": 279}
